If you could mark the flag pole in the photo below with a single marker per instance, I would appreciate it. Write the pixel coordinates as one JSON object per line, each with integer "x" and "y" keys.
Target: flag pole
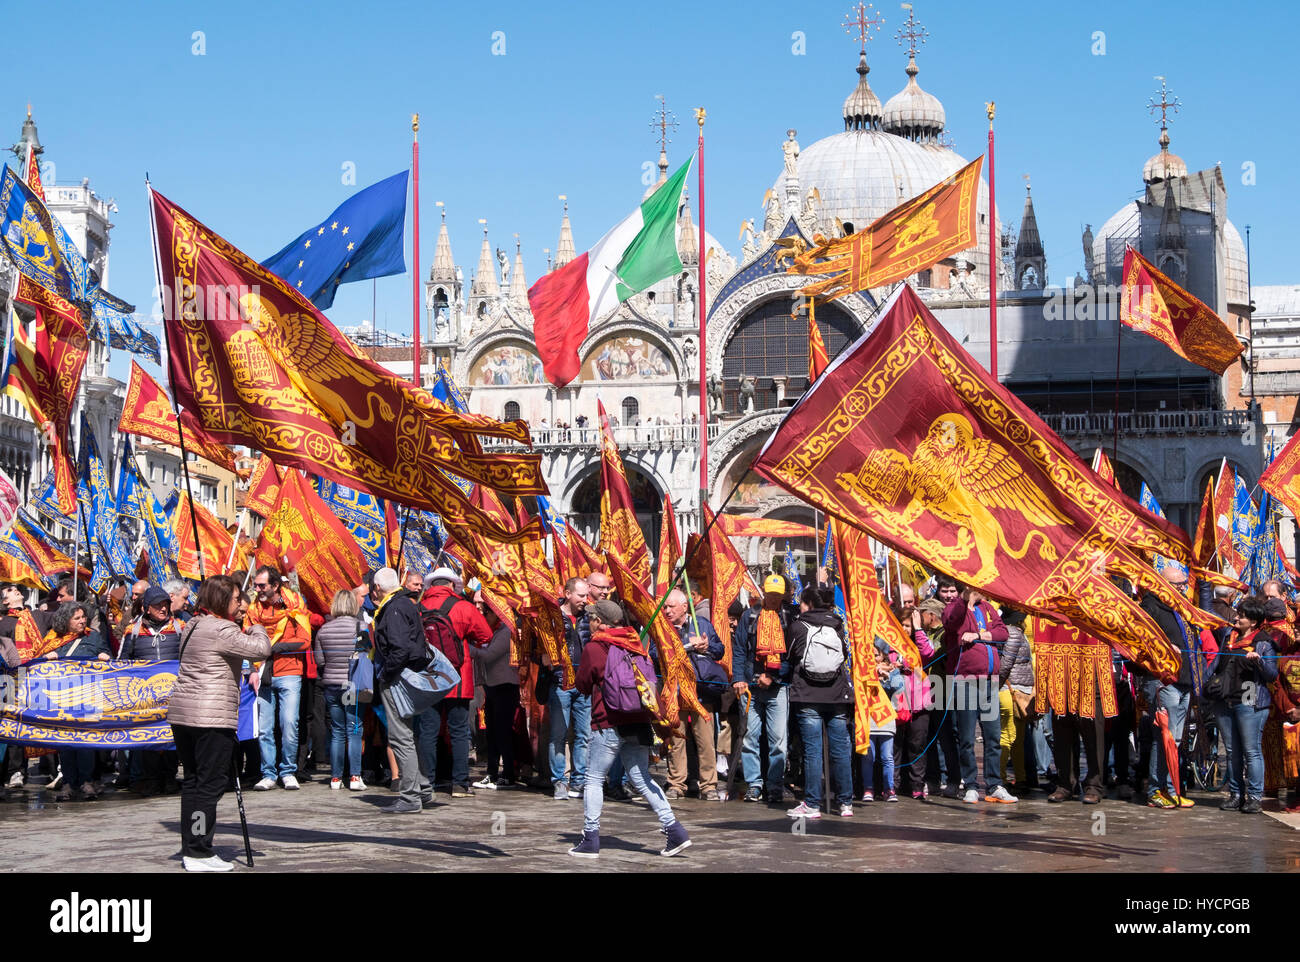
{"x": 180, "y": 430}
{"x": 702, "y": 296}
{"x": 994, "y": 257}
{"x": 415, "y": 244}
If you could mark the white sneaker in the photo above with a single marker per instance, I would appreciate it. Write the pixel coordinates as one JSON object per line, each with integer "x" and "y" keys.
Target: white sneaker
{"x": 213, "y": 863}
{"x": 724, "y": 765}
{"x": 356, "y": 784}
{"x": 804, "y": 811}
{"x": 846, "y": 811}
{"x": 16, "y": 781}
{"x": 290, "y": 783}
{"x": 265, "y": 785}
{"x": 486, "y": 782}
{"x": 1000, "y": 794}
{"x": 336, "y": 784}
{"x": 971, "y": 797}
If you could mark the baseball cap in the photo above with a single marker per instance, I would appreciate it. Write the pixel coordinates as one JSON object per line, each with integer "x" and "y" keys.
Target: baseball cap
{"x": 607, "y": 611}
{"x": 773, "y": 585}
{"x": 933, "y": 605}
{"x": 155, "y": 596}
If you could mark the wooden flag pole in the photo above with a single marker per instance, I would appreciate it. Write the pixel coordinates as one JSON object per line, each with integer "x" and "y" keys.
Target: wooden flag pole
{"x": 995, "y": 257}
{"x": 415, "y": 244}
{"x": 702, "y": 297}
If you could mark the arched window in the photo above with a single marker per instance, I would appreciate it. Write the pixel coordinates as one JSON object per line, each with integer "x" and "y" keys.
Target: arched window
{"x": 630, "y": 409}
{"x": 511, "y": 411}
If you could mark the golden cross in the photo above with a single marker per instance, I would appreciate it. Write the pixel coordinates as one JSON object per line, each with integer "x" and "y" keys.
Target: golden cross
{"x": 912, "y": 32}
{"x": 664, "y": 122}
{"x": 1164, "y": 104}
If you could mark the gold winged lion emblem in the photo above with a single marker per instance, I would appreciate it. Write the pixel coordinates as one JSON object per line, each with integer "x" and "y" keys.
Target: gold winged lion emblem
{"x": 116, "y": 696}
{"x": 958, "y": 477}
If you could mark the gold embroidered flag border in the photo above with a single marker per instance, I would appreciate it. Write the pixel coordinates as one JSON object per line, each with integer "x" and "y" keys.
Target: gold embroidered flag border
{"x": 147, "y": 412}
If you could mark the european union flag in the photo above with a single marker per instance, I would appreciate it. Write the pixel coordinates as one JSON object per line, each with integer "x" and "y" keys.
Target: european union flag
{"x": 362, "y": 238}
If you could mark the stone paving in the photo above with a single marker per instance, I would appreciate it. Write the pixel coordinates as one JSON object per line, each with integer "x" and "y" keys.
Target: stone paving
{"x": 319, "y": 830}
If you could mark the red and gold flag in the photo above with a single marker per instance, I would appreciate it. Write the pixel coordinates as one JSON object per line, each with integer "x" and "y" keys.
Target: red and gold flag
{"x": 1105, "y": 470}
{"x": 586, "y": 559}
{"x": 1203, "y": 543}
{"x": 910, "y": 238}
{"x": 1224, "y": 495}
{"x": 677, "y": 674}
{"x": 46, "y": 374}
{"x": 909, "y": 439}
{"x": 147, "y": 412}
{"x": 620, "y": 532}
{"x": 264, "y": 487}
{"x": 29, "y": 641}
{"x": 818, "y": 359}
{"x": 741, "y": 526}
{"x": 718, "y": 573}
{"x": 1281, "y": 478}
{"x": 40, "y": 557}
{"x": 259, "y": 365}
{"x": 1071, "y": 669}
{"x": 670, "y": 546}
{"x": 1153, "y": 304}
{"x": 216, "y": 542}
{"x": 303, "y": 534}
{"x": 32, "y": 171}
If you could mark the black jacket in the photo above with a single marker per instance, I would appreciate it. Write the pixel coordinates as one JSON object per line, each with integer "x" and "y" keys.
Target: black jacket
{"x": 838, "y": 690}
{"x": 399, "y": 638}
{"x": 144, "y": 645}
{"x": 1164, "y": 616}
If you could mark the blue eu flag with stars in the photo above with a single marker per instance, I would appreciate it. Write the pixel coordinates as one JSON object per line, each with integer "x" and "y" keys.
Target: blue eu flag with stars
{"x": 361, "y": 239}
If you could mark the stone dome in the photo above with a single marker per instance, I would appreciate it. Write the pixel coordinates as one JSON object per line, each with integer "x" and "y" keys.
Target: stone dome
{"x": 1164, "y": 164}
{"x": 912, "y": 112}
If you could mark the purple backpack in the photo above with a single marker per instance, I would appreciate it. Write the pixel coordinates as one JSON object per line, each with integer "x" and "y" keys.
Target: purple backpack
{"x": 619, "y": 687}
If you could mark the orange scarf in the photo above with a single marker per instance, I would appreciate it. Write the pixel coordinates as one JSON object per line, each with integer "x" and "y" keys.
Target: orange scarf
{"x": 276, "y": 620}
{"x": 771, "y": 638}
{"x": 53, "y": 641}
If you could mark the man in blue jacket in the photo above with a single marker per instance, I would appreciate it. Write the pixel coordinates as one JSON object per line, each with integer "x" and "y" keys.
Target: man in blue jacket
{"x": 762, "y": 682}
{"x": 705, "y": 649}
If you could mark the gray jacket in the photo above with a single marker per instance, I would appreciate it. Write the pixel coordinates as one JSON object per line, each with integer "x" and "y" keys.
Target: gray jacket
{"x": 1016, "y": 668}
{"x": 492, "y": 664}
{"x": 335, "y": 642}
{"x": 207, "y": 687}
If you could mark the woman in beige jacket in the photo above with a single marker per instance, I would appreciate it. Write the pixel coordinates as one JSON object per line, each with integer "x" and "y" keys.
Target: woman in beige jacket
{"x": 204, "y": 713}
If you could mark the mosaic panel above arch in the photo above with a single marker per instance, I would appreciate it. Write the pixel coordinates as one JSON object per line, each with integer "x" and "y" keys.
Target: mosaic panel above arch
{"x": 506, "y": 364}
{"x": 626, "y": 357}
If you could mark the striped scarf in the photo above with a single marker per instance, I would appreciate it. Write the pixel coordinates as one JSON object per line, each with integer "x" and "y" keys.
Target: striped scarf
{"x": 771, "y": 638}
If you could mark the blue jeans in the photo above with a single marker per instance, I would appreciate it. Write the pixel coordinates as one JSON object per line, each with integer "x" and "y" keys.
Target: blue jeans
{"x": 606, "y": 745}
{"x": 78, "y": 766}
{"x": 456, "y": 712}
{"x": 283, "y": 694}
{"x": 1176, "y": 701}
{"x": 768, "y": 709}
{"x": 345, "y": 732}
{"x": 974, "y": 700}
{"x": 836, "y": 718}
{"x": 882, "y": 745}
{"x": 1243, "y": 734}
{"x": 569, "y": 709}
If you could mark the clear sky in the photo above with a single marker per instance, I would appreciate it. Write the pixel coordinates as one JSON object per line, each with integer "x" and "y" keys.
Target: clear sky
{"x": 249, "y": 124}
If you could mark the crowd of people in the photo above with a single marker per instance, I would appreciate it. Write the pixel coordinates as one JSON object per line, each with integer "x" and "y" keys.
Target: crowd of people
{"x": 339, "y": 701}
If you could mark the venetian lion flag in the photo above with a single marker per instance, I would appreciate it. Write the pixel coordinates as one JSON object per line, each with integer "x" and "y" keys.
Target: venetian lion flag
{"x": 1153, "y": 304}
{"x": 910, "y": 238}
{"x": 1281, "y": 478}
{"x": 147, "y": 412}
{"x": 620, "y": 532}
{"x": 909, "y": 439}
{"x": 818, "y": 359}
{"x": 216, "y": 542}
{"x": 264, "y": 487}
{"x": 638, "y": 251}
{"x": 1224, "y": 490}
{"x": 740, "y": 526}
{"x": 44, "y": 373}
{"x": 670, "y": 546}
{"x": 303, "y": 534}
{"x": 259, "y": 365}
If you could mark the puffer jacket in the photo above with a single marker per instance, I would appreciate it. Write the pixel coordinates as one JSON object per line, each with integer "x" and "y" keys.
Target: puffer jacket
{"x": 141, "y": 642}
{"x": 207, "y": 686}
{"x": 336, "y": 641}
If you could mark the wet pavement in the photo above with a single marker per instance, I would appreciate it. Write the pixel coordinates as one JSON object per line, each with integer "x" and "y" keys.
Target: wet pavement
{"x": 319, "y": 830}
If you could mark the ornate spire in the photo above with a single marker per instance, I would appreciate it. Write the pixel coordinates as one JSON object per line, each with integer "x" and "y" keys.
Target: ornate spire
{"x": 518, "y": 286}
{"x": 565, "y": 251}
{"x": 1171, "y": 235}
{"x": 444, "y": 268}
{"x": 862, "y": 110}
{"x": 1030, "y": 260}
{"x": 1164, "y": 165}
{"x": 688, "y": 245}
{"x": 913, "y": 113}
{"x": 663, "y": 122}
{"x": 485, "y": 277}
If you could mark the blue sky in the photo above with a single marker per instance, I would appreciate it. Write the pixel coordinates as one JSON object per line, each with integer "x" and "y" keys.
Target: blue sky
{"x": 252, "y": 135}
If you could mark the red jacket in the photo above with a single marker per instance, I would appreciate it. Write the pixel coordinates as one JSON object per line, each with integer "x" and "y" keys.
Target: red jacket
{"x": 470, "y": 627}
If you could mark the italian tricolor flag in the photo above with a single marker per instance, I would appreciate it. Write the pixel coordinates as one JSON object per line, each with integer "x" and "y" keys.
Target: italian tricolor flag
{"x": 639, "y": 251}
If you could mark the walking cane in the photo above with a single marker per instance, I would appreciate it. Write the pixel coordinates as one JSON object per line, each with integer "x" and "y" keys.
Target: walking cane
{"x": 738, "y": 742}
{"x": 243, "y": 817}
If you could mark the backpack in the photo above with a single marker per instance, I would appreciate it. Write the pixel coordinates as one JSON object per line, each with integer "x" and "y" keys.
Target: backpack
{"x": 439, "y": 635}
{"x": 619, "y": 687}
{"x": 823, "y": 657}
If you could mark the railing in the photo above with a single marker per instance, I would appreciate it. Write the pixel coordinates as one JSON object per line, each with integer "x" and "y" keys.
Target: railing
{"x": 1150, "y": 422}
{"x": 635, "y": 437}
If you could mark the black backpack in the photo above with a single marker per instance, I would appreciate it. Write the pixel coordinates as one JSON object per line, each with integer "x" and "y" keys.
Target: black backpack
{"x": 439, "y": 634}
